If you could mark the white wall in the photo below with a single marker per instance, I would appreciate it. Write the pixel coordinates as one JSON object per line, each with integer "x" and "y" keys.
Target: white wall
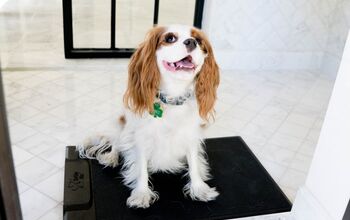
{"x": 2, "y": 2}
{"x": 270, "y": 34}
{"x": 327, "y": 189}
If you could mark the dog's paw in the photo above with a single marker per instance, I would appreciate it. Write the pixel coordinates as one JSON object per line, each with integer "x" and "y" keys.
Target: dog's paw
{"x": 92, "y": 146}
{"x": 108, "y": 159}
{"x": 200, "y": 191}
{"x": 141, "y": 198}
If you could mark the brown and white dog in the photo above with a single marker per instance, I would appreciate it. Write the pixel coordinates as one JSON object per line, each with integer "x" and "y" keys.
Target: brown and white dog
{"x": 172, "y": 83}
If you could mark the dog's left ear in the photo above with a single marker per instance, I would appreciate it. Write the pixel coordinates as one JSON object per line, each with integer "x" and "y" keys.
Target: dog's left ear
{"x": 207, "y": 80}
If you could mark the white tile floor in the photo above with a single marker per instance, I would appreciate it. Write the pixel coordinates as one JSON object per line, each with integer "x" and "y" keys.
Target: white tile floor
{"x": 53, "y": 102}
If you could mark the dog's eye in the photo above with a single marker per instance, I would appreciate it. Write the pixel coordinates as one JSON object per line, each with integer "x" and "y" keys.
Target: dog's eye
{"x": 199, "y": 41}
{"x": 170, "y": 38}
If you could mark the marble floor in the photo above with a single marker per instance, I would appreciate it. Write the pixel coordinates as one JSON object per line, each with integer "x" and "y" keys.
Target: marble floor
{"x": 53, "y": 102}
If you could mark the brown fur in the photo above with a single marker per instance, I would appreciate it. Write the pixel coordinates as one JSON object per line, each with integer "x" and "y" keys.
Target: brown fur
{"x": 122, "y": 120}
{"x": 144, "y": 76}
{"x": 207, "y": 79}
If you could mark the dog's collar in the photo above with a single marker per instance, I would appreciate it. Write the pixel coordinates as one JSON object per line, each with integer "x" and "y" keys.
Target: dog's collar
{"x": 177, "y": 100}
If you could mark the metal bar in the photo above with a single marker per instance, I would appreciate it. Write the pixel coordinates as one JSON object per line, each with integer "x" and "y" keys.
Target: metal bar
{"x": 67, "y": 27}
{"x": 113, "y": 24}
{"x": 8, "y": 185}
{"x": 198, "y": 13}
{"x": 155, "y": 12}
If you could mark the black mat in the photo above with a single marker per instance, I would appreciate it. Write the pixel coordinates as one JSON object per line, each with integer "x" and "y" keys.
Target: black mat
{"x": 246, "y": 189}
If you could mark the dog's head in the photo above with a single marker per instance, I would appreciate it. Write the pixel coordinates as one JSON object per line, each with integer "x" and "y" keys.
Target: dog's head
{"x": 173, "y": 53}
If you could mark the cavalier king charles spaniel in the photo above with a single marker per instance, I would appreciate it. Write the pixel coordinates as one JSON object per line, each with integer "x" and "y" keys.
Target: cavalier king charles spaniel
{"x": 171, "y": 91}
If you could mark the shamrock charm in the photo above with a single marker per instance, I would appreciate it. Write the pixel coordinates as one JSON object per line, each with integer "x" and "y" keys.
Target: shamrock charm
{"x": 157, "y": 110}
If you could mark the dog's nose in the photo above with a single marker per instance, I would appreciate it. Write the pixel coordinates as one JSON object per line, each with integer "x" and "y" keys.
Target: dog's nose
{"x": 191, "y": 44}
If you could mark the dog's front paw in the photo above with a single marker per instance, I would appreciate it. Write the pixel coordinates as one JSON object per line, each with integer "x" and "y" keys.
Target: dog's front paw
{"x": 200, "y": 191}
{"x": 108, "y": 159}
{"x": 141, "y": 198}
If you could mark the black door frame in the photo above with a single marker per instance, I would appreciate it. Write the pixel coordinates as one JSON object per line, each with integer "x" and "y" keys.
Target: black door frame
{"x": 112, "y": 52}
{"x": 9, "y": 199}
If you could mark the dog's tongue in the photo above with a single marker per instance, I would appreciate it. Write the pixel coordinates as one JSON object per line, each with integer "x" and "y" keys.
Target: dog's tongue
{"x": 185, "y": 63}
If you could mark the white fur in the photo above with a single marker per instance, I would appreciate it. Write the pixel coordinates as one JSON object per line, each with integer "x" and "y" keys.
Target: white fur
{"x": 166, "y": 144}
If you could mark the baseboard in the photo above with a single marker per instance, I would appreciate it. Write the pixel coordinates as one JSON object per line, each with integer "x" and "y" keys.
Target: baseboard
{"x": 307, "y": 207}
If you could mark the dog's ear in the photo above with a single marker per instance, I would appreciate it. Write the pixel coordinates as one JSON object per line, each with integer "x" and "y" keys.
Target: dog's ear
{"x": 207, "y": 80}
{"x": 144, "y": 76}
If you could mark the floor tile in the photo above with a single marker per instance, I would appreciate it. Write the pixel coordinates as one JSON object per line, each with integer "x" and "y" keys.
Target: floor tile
{"x": 267, "y": 123}
{"x": 54, "y": 214}
{"x": 23, "y": 112}
{"x": 274, "y": 169}
{"x": 293, "y": 178}
{"x": 301, "y": 162}
{"x": 11, "y": 103}
{"x": 231, "y": 123}
{"x": 35, "y": 170}
{"x": 24, "y": 94}
{"x": 39, "y": 143}
{"x": 285, "y": 141}
{"x": 20, "y": 131}
{"x": 217, "y": 131}
{"x": 307, "y": 148}
{"x": 55, "y": 155}
{"x": 275, "y": 112}
{"x": 258, "y": 131}
{"x": 20, "y": 155}
{"x": 313, "y": 134}
{"x": 301, "y": 119}
{"x": 22, "y": 187}
{"x": 241, "y": 113}
{"x": 294, "y": 130}
{"x": 34, "y": 204}
{"x": 277, "y": 154}
{"x": 42, "y": 121}
{"x": 52, "y": 186}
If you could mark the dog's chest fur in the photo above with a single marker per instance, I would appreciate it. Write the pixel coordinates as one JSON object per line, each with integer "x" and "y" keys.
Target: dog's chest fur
{"x": 165, "y": 140}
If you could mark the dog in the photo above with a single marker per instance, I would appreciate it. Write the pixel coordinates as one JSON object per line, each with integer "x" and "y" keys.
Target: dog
{"x": 172, "y": 83}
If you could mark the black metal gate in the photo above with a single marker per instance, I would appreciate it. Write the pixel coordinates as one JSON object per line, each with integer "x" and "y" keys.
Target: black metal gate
{"x": 112, "y": 52}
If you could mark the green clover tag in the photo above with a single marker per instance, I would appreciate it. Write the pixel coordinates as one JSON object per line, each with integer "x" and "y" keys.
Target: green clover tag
{"x": 157, "y": 110}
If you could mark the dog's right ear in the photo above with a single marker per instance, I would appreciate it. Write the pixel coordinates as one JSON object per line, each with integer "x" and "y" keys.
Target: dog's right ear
{"x": 144, "y": 76}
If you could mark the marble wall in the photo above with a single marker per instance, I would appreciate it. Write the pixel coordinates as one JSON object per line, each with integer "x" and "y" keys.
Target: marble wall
{"x": 273, "y": 34}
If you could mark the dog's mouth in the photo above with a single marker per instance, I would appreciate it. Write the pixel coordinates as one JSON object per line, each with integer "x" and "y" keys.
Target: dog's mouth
{"x": 185, "y": 64}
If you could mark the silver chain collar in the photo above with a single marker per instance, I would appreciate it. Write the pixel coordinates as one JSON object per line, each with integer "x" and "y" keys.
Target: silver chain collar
{"x": 178, "y": 100}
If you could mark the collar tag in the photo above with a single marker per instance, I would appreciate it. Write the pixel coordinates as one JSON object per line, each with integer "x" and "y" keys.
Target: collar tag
{"x": 157, "y": 110}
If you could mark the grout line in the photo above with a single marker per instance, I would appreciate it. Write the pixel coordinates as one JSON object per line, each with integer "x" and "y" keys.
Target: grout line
{"x": 32, "y": 185}
{"x": 59, "y": 204}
